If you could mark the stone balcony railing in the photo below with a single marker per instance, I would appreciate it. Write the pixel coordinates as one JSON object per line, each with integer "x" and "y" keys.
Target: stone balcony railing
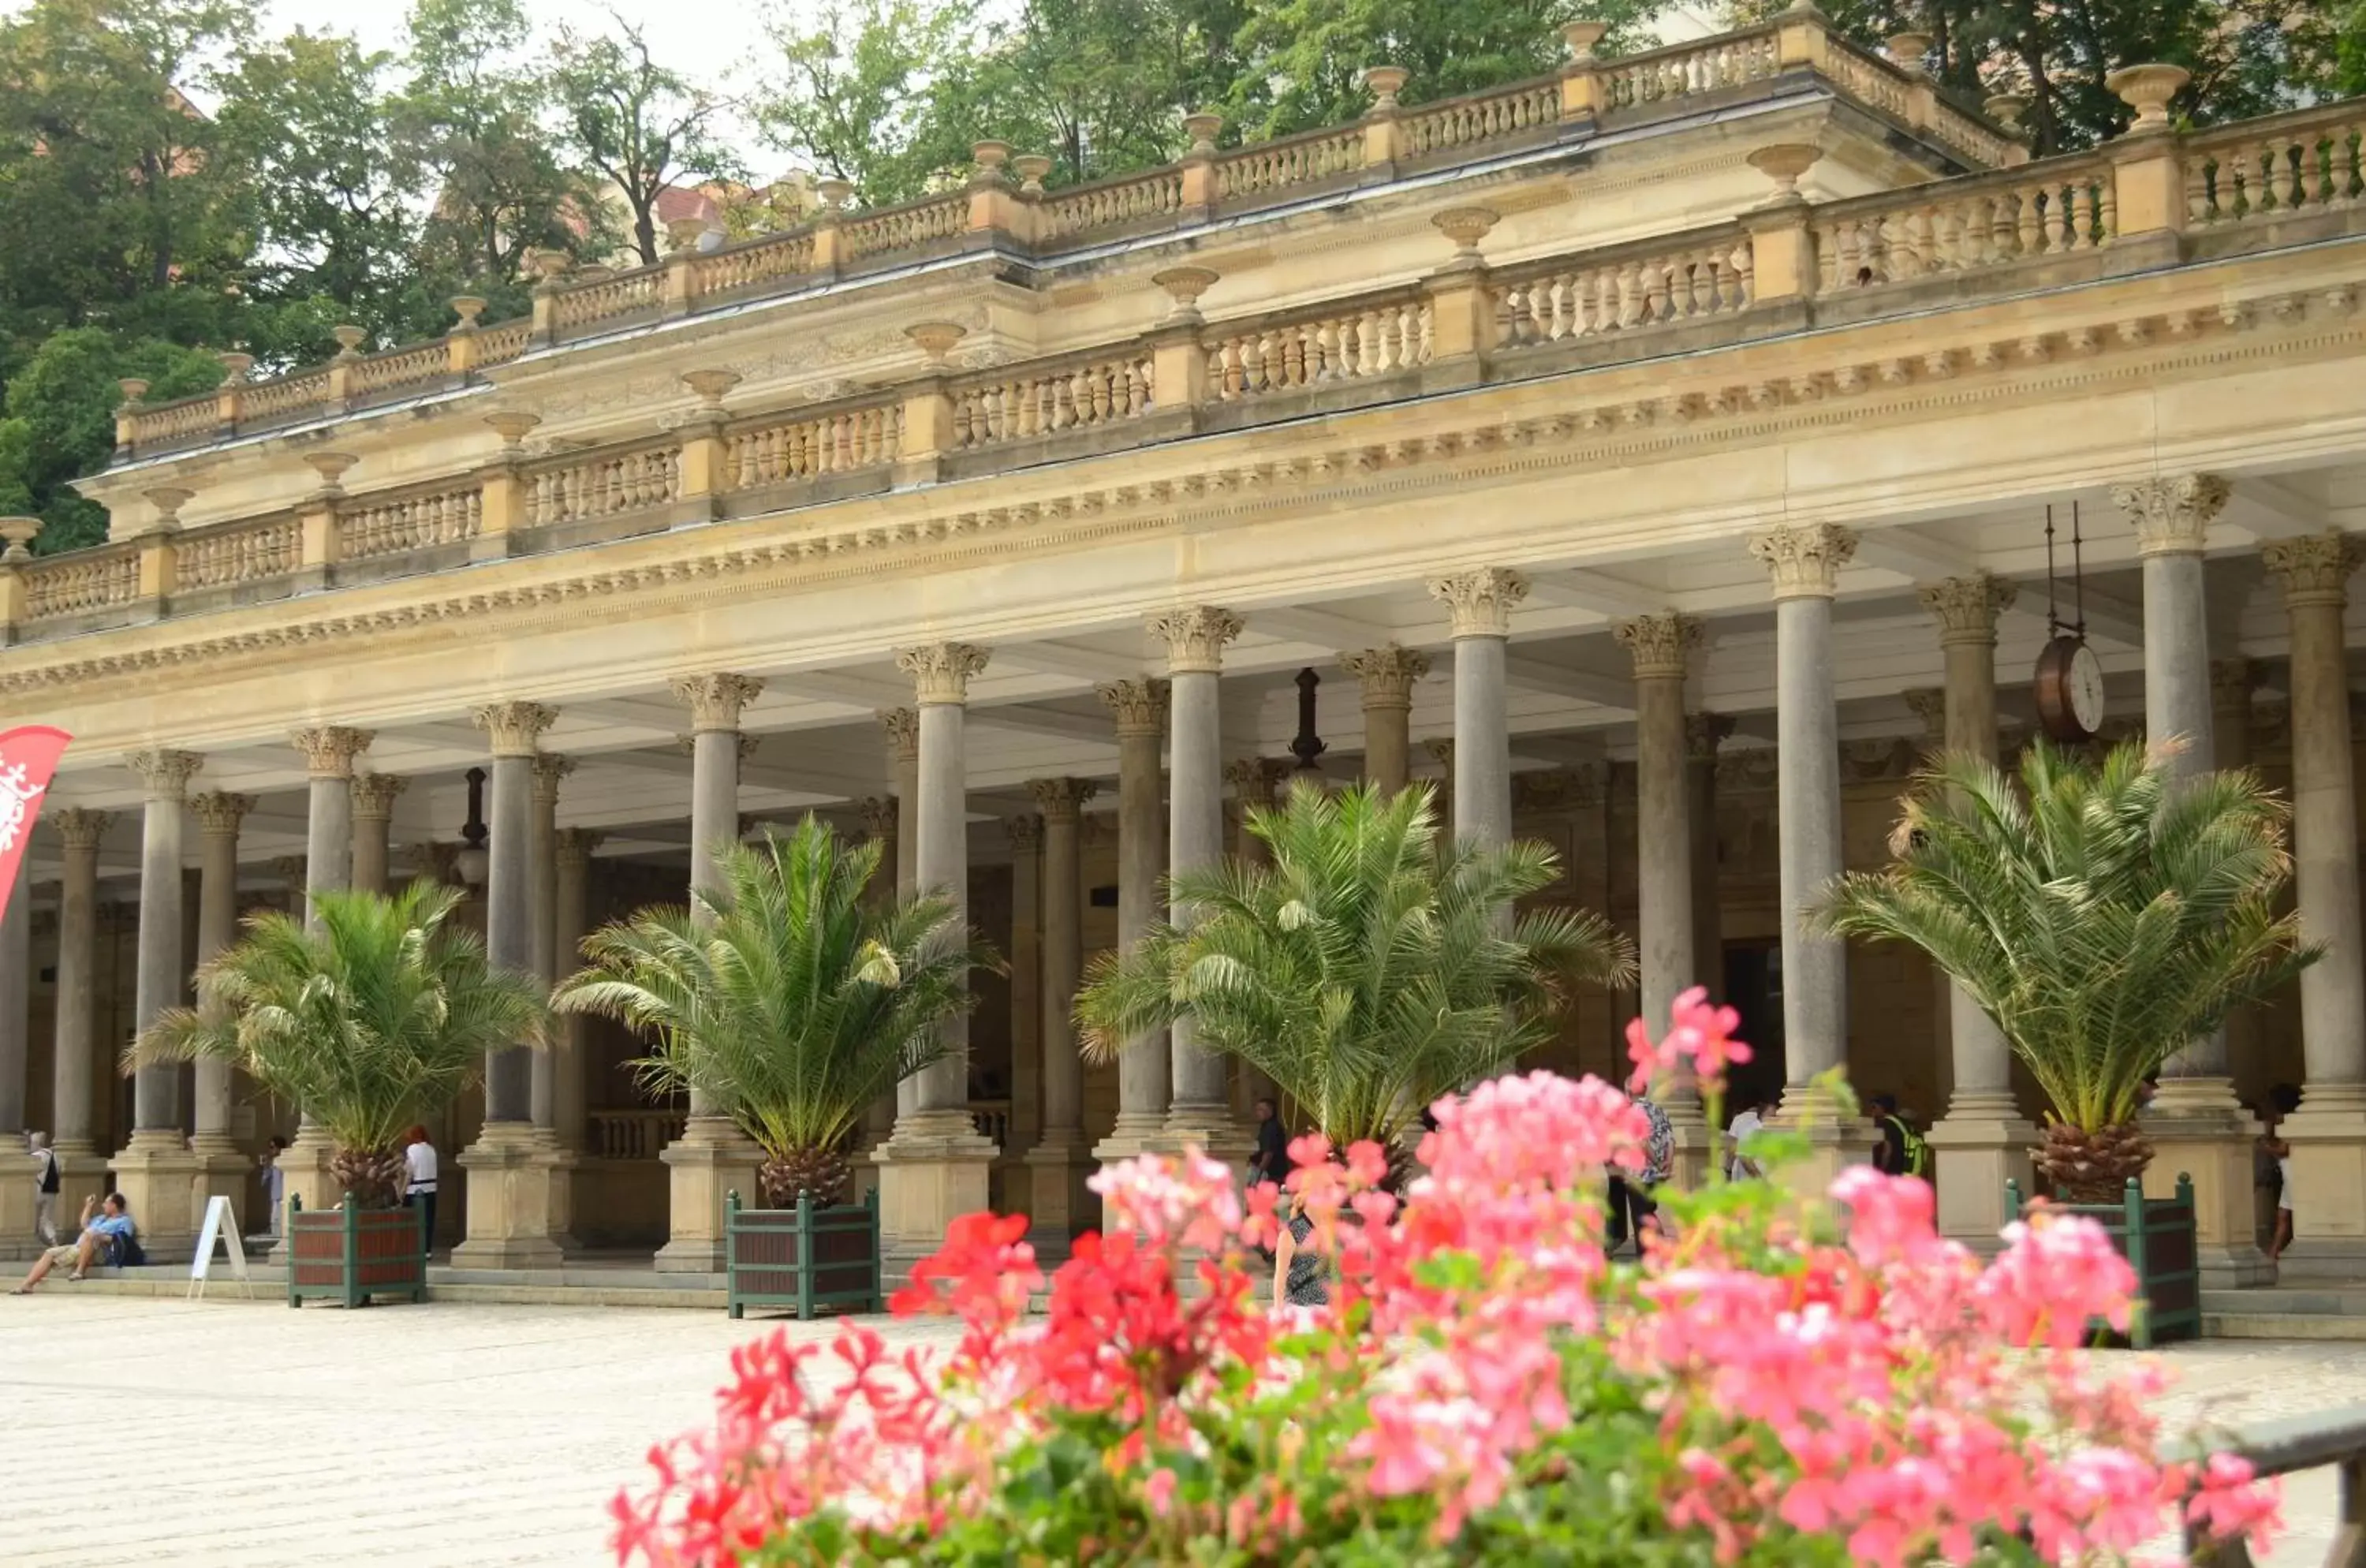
{"x": 1205, "y": 186}
{"x": 2155, "y": 200}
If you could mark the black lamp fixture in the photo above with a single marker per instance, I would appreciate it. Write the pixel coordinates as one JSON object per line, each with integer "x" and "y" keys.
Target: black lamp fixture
{"x": 472, "y": 862}
{"x": 1307, "y": 745}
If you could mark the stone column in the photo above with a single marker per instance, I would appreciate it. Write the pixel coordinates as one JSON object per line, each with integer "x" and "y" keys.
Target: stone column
{"x": 1257, "y": 785}
{"x": 1930, "y": 706}
{"x": 1661, "y": 646}
{"x": 1143, "y": 1072}
{"x": 155, "y": 1171}
{"x": 1803, "y": 563}
{"x": 77, "y": 1067}
{"x": 2327, "y": 1134}
{"x": 1983, "y": 1140}
{"x": 2195, "y": 1123}
{"x": 1481, "y": 602}
{"x": 549, "y": 1061}
{"x": 1388, "y": 675}
{"x": 903, "y": 727}
{"x": 1704, "y": 733}
{"x": 512, "y": 1207}
{"x": 330, "y": 752}
{"x": 571, "y": 856}
{"x": 1025, "y": 958}
{"x": 1060, "y": 1161}
{"x": 222, "y": 1167}
{"x": 373, "y": 797}
{"x": 1200, "y": 1113}
{"x": 2231, "y": 683}
{"x": 16, "y": 1048}
{"x": 713, "y": 1157}
{"x": 881, "y": 815}
{"x": 934, "y": 1168}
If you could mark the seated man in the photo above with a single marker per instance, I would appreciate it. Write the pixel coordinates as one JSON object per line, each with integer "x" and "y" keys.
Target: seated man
{"x": 106, "y": 1239}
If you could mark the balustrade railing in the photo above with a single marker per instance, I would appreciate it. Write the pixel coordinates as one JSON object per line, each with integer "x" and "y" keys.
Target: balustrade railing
{"x": 374, "y": 528}
{"x": 783, "y": 451}
{"x": 578, "y": 489}
{"x": 630, "y": 1135}
{"x": 1360, "y": 341}
{"x": 233, "y": 553}
{"x": 619, "y": 294}
{"x": 2039, "y": 210}
{"x": 904, "y": 228}
{"x": 421, "y": 366}
{"x": 1557, "y": 303}
{"x": 1270, "y": 166}
{"x": 79, "y": 582}
{"x": 1689, "y": 70}
{"x": 2312, "y": 161}
{"x": 1110, "y": 204}
{"x": 290, "y": 395}
{"x": 2330, "y": 1439}
{"x": 1457, "y": 123}
{"x": 760, "y": 261}
{"x": 992, "y": 1120}
{"x": 1014, "y": 407}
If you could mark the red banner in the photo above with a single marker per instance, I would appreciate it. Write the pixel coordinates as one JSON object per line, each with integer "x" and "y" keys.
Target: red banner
{"x": 28, "y": 759}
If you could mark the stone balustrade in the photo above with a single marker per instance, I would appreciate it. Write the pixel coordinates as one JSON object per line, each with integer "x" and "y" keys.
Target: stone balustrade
{"x": 788, "y": 451}
{"x": 630, "y": 1135}
{"x": 1469, "y": 128}
{"x": 2051, "y": 208}
{"x": 2284, "y": 166}
{"x": 1365, "y": 340}
{"x": 1015, "y": 407}
{"x": 1555, "y": 302}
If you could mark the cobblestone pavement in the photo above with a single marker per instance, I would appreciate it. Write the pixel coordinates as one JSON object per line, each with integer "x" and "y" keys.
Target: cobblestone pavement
{"x": 198, "y": 1435}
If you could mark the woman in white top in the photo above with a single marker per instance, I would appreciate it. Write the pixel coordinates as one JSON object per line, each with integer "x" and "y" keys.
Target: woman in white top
{"x": 1749, "y": 1119}
{"x": 419, "y": 1183}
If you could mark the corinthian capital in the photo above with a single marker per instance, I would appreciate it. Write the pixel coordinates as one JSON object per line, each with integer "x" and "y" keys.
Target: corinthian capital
{"x": 80, "y": 828}
{"x": 880, "y": 814}
{"x": 2171, "y": 516}
{"x": 903, "y": 727}
{"x": 2315, "y": 567}
{"x": 166, "y": 773}
{"x": 1482, "y": 599}
{"x": 716, "y": 700}
{"x": 1140, "y": 706}
{"x": 330, "y": 749}
{"x": 1195, "y": 636}
{"x": 1388, "y": 673}
{"x": 1660, "y": 643}
{"x": 1967, "y": 607}
{"x": 218, "y": 814}
{"x": 1704, "y": 733}
{"x": 1062, "y": 799}
{"x": 941, "y": 671}
{"x": 1804, "y": 561}
{"x": 549, "y": 767}
{"x": 515, "y": 728}
{"x": 374, "y": 793}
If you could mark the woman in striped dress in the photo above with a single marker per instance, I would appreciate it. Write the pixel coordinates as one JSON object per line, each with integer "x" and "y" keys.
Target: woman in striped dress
{"x": 1297, "y": 1271}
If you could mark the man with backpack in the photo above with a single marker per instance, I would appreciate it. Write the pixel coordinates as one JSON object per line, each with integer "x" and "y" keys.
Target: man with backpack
{"x": 45, "y": 1190}
{"x": 1903, "y": 1151}
{"x": 108, "y": 1238}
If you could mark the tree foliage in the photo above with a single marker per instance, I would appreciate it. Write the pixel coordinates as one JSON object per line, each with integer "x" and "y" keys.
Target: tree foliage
{"x": 1369, "y": 969}
{"x": 642, "y": 127}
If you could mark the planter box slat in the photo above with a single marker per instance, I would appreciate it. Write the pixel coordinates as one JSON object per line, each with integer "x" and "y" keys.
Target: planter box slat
{"x": 804, "y": 1258}
{"x": 349, "y": 1255}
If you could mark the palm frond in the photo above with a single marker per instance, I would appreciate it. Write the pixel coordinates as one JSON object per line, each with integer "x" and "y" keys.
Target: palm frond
{"x": 1366, "y": 968}
{"x": 786, "y": 997}
{"x": 2106, "y": 915}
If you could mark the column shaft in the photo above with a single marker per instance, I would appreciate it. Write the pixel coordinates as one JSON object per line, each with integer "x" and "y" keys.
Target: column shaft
{"x": 160, "y": 981}
{"x": 942, "y": 868}
{"x": 1703, "y": 733}
{"x": 1482, "y": 745}
{"x": 219, "y": 815}
{"x": 573, "y": 874}
{"x": 1388, "y": 675}
{"x": 16, "y": 999}
{"x": 509, "y": 923}
{"x": 1144, "y": 1078}
{"x": 71, "y": 1080}
{"x": 903, "y": 726}
{"x": 2325, "y": 837}
{"x": 1195, "y": 827}
{"x": 542, "y": 878}
{"x": 1660, "y": 646}
{"x": 1062, "y": 960}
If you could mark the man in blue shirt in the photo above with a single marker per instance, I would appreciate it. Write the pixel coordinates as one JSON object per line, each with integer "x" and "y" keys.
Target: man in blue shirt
{"x": 106, "y": 1230}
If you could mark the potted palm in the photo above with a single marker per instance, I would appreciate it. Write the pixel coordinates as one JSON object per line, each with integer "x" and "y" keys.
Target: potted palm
{"x": 1368, "y": 970}
{"x": 2104, "y": 915}
{"x": 378, "y": 1013}
{"x": 793, "y": 1001}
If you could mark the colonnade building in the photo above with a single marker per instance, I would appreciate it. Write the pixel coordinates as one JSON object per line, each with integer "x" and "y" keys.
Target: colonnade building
{"x": 1657, "y": 456}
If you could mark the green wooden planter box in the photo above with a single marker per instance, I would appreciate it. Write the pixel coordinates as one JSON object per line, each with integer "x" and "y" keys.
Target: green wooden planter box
{"x": 2155, "y": 1235}
{"x": 349, "y": 1255}
{"x": 806, "y": 1260}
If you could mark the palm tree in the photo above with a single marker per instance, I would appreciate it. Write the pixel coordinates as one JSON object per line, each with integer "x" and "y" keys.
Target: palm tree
{"x": 378, "y": 1013}
{"x": 2104, "y": 915}
{"x": 1369, "y": 969}
{"x": 788, "y": 997}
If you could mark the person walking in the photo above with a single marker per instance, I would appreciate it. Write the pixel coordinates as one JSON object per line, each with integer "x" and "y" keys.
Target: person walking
{"x": 45, "y": 1190}
{"x": 1271, "y": 1160}
{"x": 1633, "y": 1210}
{"x": 418, "y": 1184}
{"x": 275, "y": 1184}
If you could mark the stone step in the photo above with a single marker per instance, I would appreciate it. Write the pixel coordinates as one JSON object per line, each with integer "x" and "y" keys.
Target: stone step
{"x": 2282, "y": 1326}
{"x": 690, "y": 1290}
{"x": 2333, "y": 1300}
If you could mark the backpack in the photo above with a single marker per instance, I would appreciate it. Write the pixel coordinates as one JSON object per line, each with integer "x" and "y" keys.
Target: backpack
{"x": 125, "y": 1252}
{"x": 47, "y": 1182}
{"x": 1916, "y": 1147}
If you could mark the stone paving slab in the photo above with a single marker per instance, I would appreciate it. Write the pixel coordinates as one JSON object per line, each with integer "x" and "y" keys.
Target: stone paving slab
{"x": 204, "y": 1435}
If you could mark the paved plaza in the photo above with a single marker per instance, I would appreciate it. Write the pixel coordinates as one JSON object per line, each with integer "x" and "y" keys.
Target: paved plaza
{"x": 223, "y": 1433}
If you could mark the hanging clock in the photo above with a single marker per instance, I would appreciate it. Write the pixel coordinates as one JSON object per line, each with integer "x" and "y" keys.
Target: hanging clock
{"x": 2070, "y": 690}
{"x": 2068, "y": 684}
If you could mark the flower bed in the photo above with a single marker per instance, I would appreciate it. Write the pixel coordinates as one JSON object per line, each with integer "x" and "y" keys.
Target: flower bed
{"x": 1485, "y": 1387}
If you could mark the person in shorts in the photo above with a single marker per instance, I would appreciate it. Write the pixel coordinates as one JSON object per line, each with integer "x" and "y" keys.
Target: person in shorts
{"x": 107, "y": 1237}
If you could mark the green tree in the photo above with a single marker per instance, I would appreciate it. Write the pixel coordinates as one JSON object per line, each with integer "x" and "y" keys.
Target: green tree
{"x": 336, "y": 220}
{"x": 379, "y": 1013}
{"x": 2104, "y": 915}
{"x": 2247, "y": 57}
{"x": 470, "y": 120}
{"x": 644, "y": 128}
{"x": 117, "y": 203}
{"x": 59, "y": 422}
{"x": 1367, "y": 970}
{"x": 788, "y": 997}
{"x": 1305, "y": 59}
{"x": 851, "y": 93}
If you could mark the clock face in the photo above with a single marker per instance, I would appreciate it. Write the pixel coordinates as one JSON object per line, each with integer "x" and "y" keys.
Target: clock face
{"x": 2085, "y": 683}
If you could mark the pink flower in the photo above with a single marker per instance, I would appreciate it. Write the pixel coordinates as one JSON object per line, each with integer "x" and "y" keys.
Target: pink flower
{"x": 1158, "y": 1491}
